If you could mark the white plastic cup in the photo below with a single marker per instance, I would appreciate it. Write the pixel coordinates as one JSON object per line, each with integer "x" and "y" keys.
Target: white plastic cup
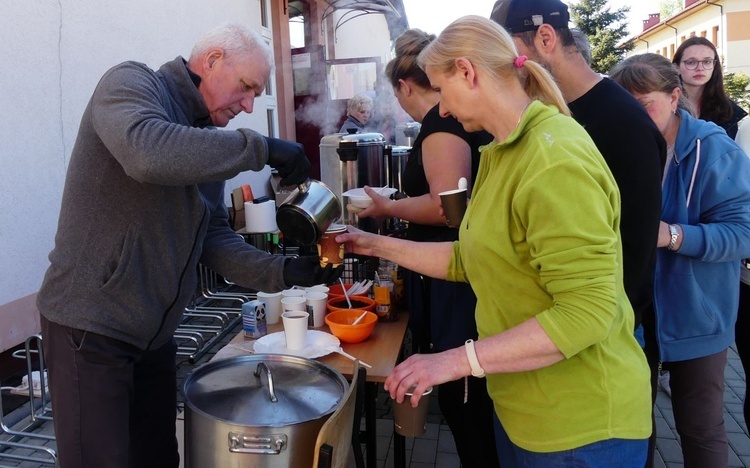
{"x": 318, "y": 288}
{"x": 295, "y": 328}
{"x": 293, "y": 303}
{"x": 293, "y": 292}
{"x": 273, "y": 306}
{"x": 316, "y": 307}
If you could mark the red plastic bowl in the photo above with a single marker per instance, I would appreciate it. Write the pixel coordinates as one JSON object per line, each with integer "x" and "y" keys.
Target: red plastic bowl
{"x": 340, "y": 322}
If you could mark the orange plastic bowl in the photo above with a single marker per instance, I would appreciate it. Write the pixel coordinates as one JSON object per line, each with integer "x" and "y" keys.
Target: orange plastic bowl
{"x": 335, "y": 290}
{"x": 358, "y": 303}
{"x": 340, "y": 322}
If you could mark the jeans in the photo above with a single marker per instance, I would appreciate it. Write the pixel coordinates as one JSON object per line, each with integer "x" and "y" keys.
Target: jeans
{"x": 114, "y": 405}
{"x": 610, "y": 453}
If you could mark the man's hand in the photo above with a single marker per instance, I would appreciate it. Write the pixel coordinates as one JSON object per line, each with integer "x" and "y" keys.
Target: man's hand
{"x": 289, "y": 159}
{"x": 306, "y": 271}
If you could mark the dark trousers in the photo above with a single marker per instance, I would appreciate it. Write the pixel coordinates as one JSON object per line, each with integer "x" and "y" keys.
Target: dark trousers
{"x": 113, "y": 405}
{"x": 471, "y": 423}
{"x": 697, "y": 402}
{"x": 742, "y": 338}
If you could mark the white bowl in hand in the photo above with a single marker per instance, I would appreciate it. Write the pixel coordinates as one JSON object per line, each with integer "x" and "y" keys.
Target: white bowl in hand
{"x": 359, "y": 198}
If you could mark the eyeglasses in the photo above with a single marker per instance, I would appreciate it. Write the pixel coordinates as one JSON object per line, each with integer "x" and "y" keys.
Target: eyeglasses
{"x": 693, "y": 64}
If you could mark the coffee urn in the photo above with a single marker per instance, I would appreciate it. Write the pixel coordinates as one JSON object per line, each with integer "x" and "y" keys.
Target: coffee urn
{"x": 350, "y": 161}
{"x": 406, "y": 133}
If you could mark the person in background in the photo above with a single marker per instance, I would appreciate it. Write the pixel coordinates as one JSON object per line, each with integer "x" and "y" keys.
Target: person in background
{"x": 704, "y": 233}
{"x": 540, "y": 246}
{"x": 358, "y": 110}
{"x": 703, "y": 83}
{"x": 441, "y": 313}
{"x": 623, "y": 133}
{"x": 143, "y": 204}
{"x": 742, "y": 328}
{"x": 582, "y": 44}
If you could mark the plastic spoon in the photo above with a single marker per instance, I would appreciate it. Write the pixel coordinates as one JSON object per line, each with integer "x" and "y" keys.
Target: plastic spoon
{"x": 343, "y": 288}
{"x": 462, "y": 183}
{"x": 359, "y": 319}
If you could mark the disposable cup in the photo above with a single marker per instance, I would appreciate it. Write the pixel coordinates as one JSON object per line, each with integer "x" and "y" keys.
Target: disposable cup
{"x": 330, "y": 251}
{"x": 293, "y": 292}
{"x": 411, "y": 422}
{"x": 316, "y": 303}
{"x": 295, "y": 328}
{"x": 273, "y": 306}
{"x": 293, "y": 303}
{"x": 318, "y": 288}
{"x": 454, "y": 206}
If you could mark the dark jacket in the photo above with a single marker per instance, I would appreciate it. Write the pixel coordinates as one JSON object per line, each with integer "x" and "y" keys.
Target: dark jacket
{"x": 143, "y": 203}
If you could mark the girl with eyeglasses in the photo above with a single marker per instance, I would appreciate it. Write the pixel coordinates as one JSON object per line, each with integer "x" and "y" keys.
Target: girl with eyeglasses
{"x": 703, "y": 83}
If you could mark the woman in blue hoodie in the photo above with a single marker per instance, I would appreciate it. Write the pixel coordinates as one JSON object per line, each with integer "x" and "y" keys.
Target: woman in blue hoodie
{"x": 705, "y": 231}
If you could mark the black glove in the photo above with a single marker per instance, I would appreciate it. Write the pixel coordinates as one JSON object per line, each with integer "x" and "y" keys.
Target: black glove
{"x": 289, "y": 159}
{"x": 306, "y": 271}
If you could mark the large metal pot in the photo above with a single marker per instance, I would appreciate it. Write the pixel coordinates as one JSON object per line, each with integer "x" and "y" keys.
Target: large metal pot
{"x": 258, "y": 410}
{"x": 306, "y": 214}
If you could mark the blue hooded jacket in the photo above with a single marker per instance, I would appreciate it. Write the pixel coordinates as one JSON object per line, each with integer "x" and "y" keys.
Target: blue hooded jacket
{"x": 707, "y": 192}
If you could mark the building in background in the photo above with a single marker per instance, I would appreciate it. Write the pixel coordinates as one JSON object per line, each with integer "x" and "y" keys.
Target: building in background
{"x": 723, "y": 22}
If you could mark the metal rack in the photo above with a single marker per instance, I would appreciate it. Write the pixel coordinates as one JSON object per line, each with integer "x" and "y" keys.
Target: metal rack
{"x": 39, "y": 412}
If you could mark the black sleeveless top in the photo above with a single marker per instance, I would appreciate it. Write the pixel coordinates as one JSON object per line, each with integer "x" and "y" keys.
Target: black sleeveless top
{"x": 414, "y": 180}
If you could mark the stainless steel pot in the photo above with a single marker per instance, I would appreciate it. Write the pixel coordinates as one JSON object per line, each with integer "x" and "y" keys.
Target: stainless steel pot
{"x": 262, "y": 410}
{"x": 306, "y": 214}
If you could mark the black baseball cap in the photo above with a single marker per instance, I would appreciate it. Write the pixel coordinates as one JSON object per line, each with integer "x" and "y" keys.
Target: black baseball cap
{"x": 527, "y": 15}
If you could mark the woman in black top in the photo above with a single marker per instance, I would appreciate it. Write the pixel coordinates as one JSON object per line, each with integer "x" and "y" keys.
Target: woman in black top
{"x": 441, "y": 313}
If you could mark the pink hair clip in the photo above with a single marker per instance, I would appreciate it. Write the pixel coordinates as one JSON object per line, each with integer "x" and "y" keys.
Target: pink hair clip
{"x": 519, "y": 61}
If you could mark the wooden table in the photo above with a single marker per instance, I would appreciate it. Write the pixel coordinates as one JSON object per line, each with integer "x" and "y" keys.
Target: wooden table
{"x": 382, "y": 350}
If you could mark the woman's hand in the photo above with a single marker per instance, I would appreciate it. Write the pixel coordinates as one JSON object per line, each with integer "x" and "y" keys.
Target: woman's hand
{"x": 357, "y": 241}
{"x": 379, "y": 209}
{"x": 421, "y": 371}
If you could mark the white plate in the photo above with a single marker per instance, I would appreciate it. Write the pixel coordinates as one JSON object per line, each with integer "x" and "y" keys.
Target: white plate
{"x": 319, "y": 343}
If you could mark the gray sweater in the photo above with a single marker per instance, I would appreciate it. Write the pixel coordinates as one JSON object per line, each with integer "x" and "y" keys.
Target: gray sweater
{"x": 143, "y": 203}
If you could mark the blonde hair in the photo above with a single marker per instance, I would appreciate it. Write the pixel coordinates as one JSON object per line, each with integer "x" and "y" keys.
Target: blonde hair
{"x": 490, "y": 48}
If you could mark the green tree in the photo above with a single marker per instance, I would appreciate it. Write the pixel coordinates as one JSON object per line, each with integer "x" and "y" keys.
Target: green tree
{"x": 605, "y": 29}
{"x": 668, "y": 8}
{"x": 735, "y": 85}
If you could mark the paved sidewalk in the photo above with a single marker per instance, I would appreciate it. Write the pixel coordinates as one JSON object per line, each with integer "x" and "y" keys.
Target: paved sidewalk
{"x": 436, "y": 447}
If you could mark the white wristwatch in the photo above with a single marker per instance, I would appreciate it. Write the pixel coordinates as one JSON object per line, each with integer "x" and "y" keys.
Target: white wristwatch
{"x": 674, "y": 235}
{"x": 471, "y": 353}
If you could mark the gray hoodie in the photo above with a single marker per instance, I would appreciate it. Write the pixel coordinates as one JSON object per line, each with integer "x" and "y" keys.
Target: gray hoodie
{"x": 143, "y": 205}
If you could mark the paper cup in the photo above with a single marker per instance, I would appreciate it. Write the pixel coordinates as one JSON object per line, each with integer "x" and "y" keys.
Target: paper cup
{"x": 411, "y": 422}
{"x": 293, "y": 292}
{"x": 454, "y": 206}
{"x": 273, "y": 306}
{"x": 330, "y": 251}
{"x": 295, "y": 328}
{"x": 316, "y": 303}
{"x": 318, "y": 288}
{"x": 293, "y": 303}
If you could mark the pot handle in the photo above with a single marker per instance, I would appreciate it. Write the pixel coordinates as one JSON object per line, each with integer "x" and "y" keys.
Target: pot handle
{"x": 304, "y": 186}
{"x": 245, "y": 443}
{"x": 270, "y": 380}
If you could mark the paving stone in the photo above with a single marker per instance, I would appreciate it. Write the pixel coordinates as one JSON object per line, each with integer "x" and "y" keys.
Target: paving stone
{"x": 447, "y": 460}
{"x": 424, "y": 450}
{"x": 740, "y": 443}
{"x": 446, "y": 442}
{"x": 731, "y": 424}
{"x": 669, "y": 449}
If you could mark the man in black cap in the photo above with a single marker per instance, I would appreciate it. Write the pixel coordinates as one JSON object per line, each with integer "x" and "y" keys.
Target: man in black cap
{"x": 621, "y": 129}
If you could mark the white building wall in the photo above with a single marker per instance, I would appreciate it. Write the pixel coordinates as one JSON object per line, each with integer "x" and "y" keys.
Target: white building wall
{"x": 54, "y": 53}
{"x": 363, "y": 36}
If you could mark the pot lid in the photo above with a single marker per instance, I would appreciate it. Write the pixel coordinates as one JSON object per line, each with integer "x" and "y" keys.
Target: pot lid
{"x": 228, "y": 390}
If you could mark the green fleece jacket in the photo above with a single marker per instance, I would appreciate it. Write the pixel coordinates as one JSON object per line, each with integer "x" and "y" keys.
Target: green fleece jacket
{"x": 541, "y": 239}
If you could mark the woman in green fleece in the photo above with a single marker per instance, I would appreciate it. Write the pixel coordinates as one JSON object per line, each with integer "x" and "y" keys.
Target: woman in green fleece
{"x": 540, "y": 246}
